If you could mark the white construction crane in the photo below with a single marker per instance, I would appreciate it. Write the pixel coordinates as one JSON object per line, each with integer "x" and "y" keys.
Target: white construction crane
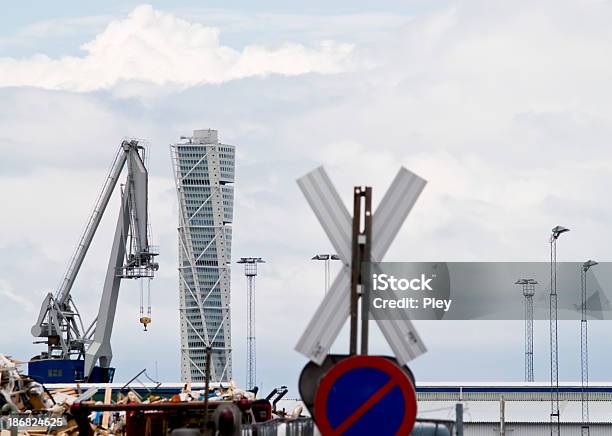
{"x": 74, "y": 351}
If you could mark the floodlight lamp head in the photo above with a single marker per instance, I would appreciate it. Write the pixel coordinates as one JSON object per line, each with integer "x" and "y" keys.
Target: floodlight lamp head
{"x": 251, "y": 260}
{"x": 588, "y": 264}
{"x": 521, "y": 282}
{"x": 556, "y": 232}
{"x": 326, "y": 257}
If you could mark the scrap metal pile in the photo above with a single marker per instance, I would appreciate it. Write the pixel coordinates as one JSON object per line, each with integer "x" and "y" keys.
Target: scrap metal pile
{"x": 22, "y": 397}
{"x": 26, "y": 403}
{"x": 29, "y": 408}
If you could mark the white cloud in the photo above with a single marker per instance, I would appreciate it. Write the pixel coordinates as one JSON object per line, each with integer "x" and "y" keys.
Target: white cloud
{"x": 156, "y": 47}
{"x": 6, "y": 291}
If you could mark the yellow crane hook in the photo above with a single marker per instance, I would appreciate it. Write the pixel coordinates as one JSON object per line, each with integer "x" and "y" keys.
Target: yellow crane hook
{"x": 145, "y": 320}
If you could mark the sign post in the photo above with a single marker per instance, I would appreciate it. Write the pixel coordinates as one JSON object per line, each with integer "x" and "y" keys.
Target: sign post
{"x": 361, "y": 246}
{"x": 359, "y": 394}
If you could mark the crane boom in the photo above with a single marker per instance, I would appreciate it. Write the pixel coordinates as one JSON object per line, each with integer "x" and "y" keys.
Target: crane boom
{"x": 63, "y": 291}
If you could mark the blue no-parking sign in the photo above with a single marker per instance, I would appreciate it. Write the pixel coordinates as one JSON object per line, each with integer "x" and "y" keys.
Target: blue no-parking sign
{"x": 365, "y": 395}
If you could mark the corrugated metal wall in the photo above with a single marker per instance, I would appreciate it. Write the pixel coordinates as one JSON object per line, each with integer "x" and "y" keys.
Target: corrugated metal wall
{"x": 471, "y": 429}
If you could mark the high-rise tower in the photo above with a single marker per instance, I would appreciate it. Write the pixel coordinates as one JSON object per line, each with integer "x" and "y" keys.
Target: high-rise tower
{"x": 204, "y": 176}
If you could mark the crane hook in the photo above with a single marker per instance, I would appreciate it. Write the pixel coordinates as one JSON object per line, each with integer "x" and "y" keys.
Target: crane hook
{"x": 145, "y": 320}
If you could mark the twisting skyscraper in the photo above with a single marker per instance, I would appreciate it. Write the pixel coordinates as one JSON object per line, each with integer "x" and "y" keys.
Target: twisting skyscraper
{"x": 204, "y": 176}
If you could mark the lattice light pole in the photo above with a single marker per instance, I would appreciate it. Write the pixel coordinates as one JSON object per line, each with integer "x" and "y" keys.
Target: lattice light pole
{"x": 250, "y": 271}
{"x": 528, "y": 287}
{"x": 584, "y": 347}
{"x": 555, "y": 423}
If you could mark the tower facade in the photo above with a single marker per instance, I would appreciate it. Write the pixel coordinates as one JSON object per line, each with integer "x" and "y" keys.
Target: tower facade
{"x": 204, "y": 176}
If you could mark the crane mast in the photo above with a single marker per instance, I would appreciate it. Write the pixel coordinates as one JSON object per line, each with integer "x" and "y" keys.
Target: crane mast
{"x": 59, "y": 321}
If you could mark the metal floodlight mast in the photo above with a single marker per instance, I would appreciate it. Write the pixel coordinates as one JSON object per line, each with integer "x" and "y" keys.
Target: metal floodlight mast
{"x": 250, "y": 271}
{"x": 555, "y": 424}
{"x": 584, "y": 349}
{"x": 528, "y": 288}
{"x": 327, "y": 258}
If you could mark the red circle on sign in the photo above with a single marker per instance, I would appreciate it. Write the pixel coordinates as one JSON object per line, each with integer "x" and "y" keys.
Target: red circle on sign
{"x": 397, "y": 378}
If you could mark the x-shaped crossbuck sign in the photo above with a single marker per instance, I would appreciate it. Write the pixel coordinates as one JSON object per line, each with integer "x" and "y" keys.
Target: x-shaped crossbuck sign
{"x": 334, "y": 310}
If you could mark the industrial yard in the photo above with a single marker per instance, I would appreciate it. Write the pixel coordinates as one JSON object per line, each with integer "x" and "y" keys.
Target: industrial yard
{"x": 301, "y": 219}
{"x": 69, "y": 389}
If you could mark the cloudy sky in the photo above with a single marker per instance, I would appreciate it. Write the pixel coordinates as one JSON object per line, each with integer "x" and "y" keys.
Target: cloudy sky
{"x": 504, "y": 107}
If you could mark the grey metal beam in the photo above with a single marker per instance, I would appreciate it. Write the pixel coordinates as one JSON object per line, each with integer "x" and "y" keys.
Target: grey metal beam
{"x": 329, "y": 210}
{"x": 391, "y": 213}
{"x": 393, "y": 210}
{"x": 92, "y": 225}
{"x": 100, "y": 348}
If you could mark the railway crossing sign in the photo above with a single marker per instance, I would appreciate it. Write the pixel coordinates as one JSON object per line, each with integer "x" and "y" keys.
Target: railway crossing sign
{"x": 365, "y": 395}
{"x": 335, "y": 219}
